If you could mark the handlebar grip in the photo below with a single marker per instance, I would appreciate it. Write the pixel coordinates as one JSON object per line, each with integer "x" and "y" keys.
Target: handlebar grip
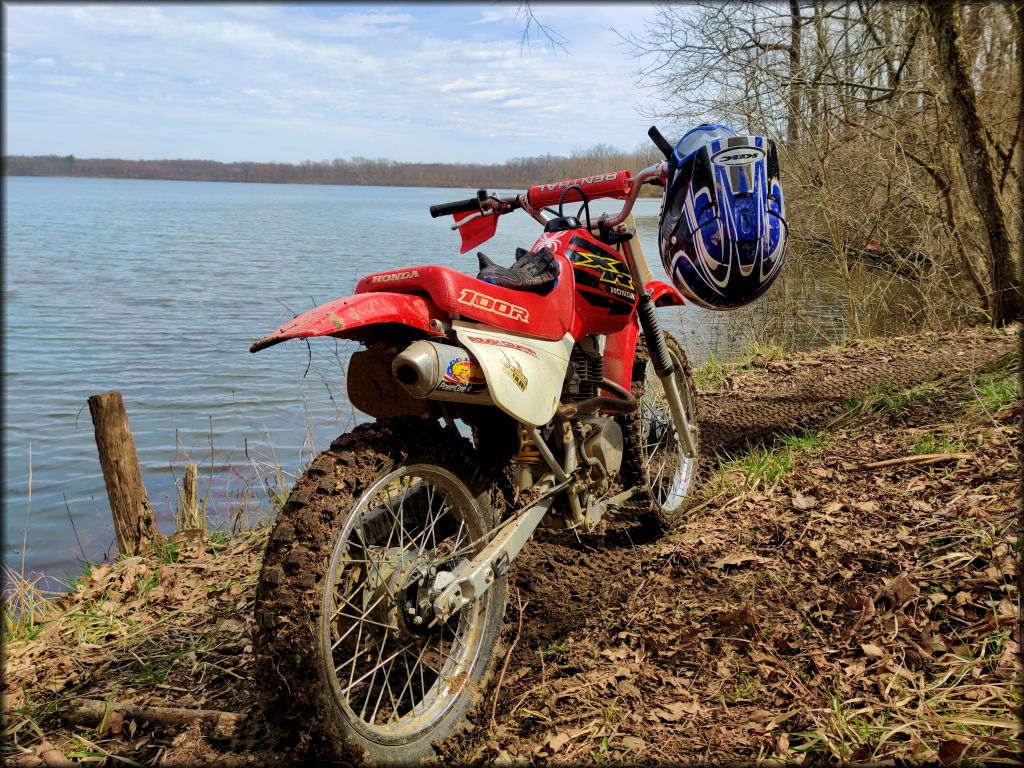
{"x": 660, "y": 141}
{"x": 472, "y": 205}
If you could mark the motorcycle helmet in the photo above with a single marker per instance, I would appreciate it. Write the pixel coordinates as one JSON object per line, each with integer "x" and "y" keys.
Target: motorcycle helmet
{"x": 723, "y": 233}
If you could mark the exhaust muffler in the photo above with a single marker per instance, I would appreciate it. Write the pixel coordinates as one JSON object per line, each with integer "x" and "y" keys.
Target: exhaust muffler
{"x": 440, "y": 372}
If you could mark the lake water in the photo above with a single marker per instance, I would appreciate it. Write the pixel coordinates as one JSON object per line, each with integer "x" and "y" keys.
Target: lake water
{"x": 157, "y": 288}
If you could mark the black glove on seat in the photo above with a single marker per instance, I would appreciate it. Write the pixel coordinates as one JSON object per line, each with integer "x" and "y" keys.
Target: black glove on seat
{"x": 535, "y": 271}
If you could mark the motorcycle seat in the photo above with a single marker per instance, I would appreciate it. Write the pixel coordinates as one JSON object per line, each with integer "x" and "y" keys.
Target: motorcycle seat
{"x": 548, "y": 316}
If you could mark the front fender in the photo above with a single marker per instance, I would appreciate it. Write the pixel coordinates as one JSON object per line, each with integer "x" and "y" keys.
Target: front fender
{"x": 665, "y": 295}
{"x": 340, "y": 317}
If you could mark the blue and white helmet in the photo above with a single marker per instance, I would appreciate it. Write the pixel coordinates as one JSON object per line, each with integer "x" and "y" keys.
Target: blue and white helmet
{"x": 723, "y": 233}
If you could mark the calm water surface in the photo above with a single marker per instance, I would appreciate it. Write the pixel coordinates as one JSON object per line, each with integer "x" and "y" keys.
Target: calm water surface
{"x": 156, "y": 289}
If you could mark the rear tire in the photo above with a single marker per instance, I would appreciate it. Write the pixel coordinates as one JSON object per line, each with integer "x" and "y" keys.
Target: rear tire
{"x": 347, "y": 671}
{"x": 654, "y": 458}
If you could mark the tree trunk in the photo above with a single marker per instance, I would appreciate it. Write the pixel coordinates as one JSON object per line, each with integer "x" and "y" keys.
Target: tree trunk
{"x": 793, "y": 121}
{"x": 1006, "y": 295}
{"x": 190, "y": 513}
{"x": 129, "y": 505}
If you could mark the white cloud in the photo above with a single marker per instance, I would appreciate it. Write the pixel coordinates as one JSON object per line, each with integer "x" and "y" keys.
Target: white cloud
{"x": 492, "y": 95}
{"x": 489, "y": 17}
{"x": 45, "y": 62}
{"x": 64, "y": 81}
{"x": 418, "y": 82}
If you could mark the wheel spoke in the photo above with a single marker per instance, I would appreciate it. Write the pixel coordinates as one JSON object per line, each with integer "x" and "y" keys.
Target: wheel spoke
{"x": 360, "y": 620}
{"x": 385, "y": 672}
{"x": 666, "y": 469}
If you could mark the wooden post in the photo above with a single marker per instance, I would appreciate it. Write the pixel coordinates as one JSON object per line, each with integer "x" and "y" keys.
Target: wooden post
{"x": 129, "y": 505}
{"x": 191, "y": 518}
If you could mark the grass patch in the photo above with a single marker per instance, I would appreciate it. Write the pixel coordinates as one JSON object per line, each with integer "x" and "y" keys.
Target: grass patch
{"x": 763, "y": 352}
{"x": 757, "y": 467}
{"x": 998, "y": 386}
{"x": 933, "y": 443}
{"x": 166, "y": 550}
{"x": 803, "y": 441}
{"x": 710, "y": 375}
{"x": 714, "y": 372}
{"x": 26, "y": 607}
{"x": 884, "y": 397}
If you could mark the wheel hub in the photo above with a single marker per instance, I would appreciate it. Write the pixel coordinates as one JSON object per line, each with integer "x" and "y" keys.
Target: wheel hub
{"x": 387, "y": 582}
{"x": 425, "y": 583}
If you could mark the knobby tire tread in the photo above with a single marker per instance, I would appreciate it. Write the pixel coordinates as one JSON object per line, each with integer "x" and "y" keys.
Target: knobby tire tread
{"x": 632, "y": 461}
{"x": 293, "y": 695}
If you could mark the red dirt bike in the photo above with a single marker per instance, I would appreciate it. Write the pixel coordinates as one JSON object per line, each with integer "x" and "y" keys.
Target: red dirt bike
{"x": 384, "y": 581}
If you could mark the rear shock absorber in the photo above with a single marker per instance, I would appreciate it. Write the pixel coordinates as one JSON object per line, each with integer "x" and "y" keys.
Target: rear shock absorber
{"x": 527, "y": 457}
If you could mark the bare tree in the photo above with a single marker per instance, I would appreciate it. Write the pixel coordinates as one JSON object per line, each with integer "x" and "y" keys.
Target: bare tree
{"x": 533, "y": 29}
{"x": 870, "y": 140}
{"x": 1004, "y": 276}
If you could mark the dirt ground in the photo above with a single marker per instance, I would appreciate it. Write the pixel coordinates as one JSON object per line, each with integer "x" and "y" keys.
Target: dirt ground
{"x": 812, "y": 605}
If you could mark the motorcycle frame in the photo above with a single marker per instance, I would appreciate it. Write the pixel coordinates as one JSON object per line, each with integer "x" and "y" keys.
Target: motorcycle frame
{"x": 357, "y": 316}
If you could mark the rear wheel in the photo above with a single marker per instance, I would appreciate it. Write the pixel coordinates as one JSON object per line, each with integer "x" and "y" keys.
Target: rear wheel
{"x": 352, "y": 657}
{"x": 654, "y": 459}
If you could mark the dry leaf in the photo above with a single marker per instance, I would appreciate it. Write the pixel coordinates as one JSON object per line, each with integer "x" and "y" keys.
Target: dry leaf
{"x": 872, "y": 651}
{"x": 53, "y": 757}
{"x": 615, "y": 654}
{"x": 900, "y": 590}
{"x": 800, "y": 501}
{"x": 675, "y": 711}
{"x": 115, "y": 722}
{"x": 952, "y": 751}
{"x": 557, "y": 741}
{"x": 633, "y": 743}
{"x": 782, "y": 747}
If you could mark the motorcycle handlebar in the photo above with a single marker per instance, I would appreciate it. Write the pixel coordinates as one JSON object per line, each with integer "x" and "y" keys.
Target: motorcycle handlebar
{"x": 472, "y": 205}
{"x": 616, "y": 185}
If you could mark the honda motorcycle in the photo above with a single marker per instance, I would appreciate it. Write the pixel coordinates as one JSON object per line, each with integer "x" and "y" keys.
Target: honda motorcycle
{"x": 384, "y": 581}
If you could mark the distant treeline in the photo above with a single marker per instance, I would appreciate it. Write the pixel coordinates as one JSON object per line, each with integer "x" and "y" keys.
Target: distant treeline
{"x": 515, "y": 173}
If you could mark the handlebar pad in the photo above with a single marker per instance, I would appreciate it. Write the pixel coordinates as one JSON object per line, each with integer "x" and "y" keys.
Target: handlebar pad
{"x": 472, "y": 205}
{"x": 615, "y": 184}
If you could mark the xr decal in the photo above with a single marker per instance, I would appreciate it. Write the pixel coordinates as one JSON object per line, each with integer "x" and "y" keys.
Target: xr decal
{"x": 611, "y": 270}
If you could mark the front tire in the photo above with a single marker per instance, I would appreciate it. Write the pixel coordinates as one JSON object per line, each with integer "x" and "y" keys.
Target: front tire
{"x": 352, "y": 661}
{"x": 654, "y": 458}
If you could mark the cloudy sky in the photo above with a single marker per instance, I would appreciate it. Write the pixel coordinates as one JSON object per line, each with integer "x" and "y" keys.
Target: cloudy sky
{"x": 287, "y": 83}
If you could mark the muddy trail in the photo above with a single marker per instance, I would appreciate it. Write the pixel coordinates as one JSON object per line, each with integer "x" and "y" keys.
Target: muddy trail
{"x": 562, "y": 574}
{"x": 574, "y": 586}
{"x": 785, "y": 607}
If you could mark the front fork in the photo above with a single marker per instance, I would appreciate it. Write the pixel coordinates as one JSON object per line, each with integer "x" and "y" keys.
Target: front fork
{"x": 654, "y": 337}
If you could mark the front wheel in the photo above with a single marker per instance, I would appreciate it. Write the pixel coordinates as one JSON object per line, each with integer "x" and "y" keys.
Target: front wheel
{"x": 654, "y": 458}
{"x": 353, "y": 661}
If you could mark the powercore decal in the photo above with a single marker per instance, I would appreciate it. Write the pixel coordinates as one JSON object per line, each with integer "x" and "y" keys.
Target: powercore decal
{"x": 463, "y": 375}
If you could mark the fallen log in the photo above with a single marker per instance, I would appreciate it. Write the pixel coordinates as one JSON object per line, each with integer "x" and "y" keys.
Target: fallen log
{"x": 924, "y": 458}
{"x": 92, "y": 712}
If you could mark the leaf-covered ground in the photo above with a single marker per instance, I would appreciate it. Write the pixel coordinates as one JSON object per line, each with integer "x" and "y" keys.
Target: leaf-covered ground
{"x": 816, "y": 602}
